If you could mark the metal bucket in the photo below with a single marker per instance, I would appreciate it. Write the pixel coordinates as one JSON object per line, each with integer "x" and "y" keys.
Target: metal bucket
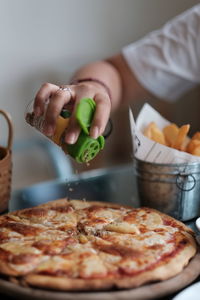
{"x": 173, "y": 189}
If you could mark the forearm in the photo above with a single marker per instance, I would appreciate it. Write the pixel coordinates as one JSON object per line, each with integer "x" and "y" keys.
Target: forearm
{"x": 131, "y": 88}
{"x": 115, "y": 73}
{"x": 106, "y": 73}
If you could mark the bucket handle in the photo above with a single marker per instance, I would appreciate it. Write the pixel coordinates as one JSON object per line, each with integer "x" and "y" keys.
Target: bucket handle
{"x": 10, "y": 128}
{"x": 180, "y": 185}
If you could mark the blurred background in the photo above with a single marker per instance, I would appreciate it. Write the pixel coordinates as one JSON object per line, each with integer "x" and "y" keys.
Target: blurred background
{"x": 46, "y": 41}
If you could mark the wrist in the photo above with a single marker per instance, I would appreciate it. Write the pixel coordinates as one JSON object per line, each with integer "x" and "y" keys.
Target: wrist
{"x": 93, "y": 80}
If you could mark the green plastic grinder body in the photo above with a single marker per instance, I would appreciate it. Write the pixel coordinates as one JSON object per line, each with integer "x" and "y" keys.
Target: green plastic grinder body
{"x": 86, "y": 148}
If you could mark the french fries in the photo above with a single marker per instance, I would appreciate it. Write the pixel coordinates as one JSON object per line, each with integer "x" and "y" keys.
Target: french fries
{"x": 175, "y": 137}
{"x": 154, "y": 133}
{"x": 171, "y": 132}
{"x": 196, "y": 136}
{"x": 193, "y": 147}
{"x": 179, "y": 143}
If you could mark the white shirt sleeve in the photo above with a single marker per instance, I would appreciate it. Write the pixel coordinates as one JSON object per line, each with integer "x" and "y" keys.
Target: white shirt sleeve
{"x": 167, "y": 61}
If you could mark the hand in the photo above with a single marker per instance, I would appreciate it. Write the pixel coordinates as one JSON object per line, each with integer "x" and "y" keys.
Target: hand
{"x": 59, "y": 98}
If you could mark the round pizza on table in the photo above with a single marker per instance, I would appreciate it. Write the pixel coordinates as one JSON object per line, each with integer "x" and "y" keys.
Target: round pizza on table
{"x": 73, "y": 245}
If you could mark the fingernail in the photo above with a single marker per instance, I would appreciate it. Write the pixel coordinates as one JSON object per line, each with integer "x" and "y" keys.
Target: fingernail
{"x": 37, "y": 111}
{"x": 94, "y": 132}
{"x": 48, "y": 130}
{"x": 70, "y": 138}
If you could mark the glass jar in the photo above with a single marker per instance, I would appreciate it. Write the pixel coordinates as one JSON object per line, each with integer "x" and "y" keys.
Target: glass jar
{"x": 86, "y": 148}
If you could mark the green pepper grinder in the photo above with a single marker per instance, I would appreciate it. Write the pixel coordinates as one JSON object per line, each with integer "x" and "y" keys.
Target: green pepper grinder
{"x": 86, "y": 148}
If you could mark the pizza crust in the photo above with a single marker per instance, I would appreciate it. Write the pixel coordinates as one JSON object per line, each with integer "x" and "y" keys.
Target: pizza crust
{"x": 82, "y": 203}
{"x": 7, "y": 269}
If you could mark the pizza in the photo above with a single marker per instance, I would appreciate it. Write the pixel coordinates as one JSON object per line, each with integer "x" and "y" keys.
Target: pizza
{"x": 76, "y": 245}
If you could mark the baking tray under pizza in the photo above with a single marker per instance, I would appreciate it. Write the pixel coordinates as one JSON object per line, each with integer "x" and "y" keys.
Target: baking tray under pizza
{"x": 148, "y": 291}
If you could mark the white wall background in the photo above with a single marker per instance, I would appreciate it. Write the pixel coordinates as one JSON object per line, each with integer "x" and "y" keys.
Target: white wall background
{"x": 46, "y": 40}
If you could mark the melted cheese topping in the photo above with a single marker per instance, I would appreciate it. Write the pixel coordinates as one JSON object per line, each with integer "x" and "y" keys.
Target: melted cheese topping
{"x": 20, "y": 248}
{"x": 123, "y": 227}
{"x": 92, "y": 266}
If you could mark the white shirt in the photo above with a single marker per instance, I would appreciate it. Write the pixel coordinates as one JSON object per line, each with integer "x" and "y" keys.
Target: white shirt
{"x": 167, "y": 61}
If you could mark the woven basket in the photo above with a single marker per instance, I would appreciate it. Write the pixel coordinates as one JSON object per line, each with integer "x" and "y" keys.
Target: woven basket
{"x": 6, "y": 166}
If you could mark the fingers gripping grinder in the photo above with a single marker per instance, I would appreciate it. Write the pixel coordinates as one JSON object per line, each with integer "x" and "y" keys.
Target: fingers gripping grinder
{"x": 86, "y": 148}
